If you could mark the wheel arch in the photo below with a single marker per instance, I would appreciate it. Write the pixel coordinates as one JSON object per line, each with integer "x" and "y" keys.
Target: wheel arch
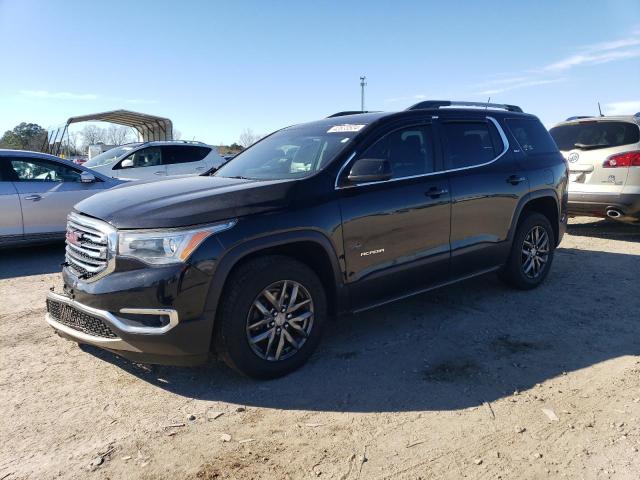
{"x": 308, "y": 246}
{"x": 541, "y": 201}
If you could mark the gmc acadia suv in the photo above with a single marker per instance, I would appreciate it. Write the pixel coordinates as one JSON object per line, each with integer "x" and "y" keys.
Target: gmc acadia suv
{"x": 334, "y": 216}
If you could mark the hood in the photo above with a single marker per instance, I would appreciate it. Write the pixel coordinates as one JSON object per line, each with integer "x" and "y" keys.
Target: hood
{"x": 185, "y": 201}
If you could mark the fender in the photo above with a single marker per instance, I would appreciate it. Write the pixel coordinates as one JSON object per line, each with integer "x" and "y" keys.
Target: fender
{"x": 545, "y": 192}
{"x": 242, "y": 250}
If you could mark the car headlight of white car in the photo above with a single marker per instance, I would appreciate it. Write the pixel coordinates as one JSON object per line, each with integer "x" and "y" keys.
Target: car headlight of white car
{"x": 162, "y": 247}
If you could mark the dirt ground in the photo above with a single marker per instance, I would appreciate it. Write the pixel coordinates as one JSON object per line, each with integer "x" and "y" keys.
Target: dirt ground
{"x": 473, "y": 381}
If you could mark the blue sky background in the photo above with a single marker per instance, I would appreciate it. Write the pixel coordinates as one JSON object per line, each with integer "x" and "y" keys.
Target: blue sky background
{"x": 217, "y": 67}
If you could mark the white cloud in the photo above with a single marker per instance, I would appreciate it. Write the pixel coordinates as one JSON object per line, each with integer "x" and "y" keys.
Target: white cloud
{"x": 592, "y": 59}
{"x": 45, "y": 94}
{"x": 595, "y": 54}
{"x": 521, "y": 84}
{"x": 628, "y": 107}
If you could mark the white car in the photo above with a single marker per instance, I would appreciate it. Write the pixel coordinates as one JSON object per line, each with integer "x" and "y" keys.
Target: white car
{"x": 603, "y": 154}
{"x": 37, "y": 192}
{"x": 156, "y": 160}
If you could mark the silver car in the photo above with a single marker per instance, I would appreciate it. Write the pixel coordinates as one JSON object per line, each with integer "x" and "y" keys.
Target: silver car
{"x": 603, "y": 154}
{"x": 37, "y": 192}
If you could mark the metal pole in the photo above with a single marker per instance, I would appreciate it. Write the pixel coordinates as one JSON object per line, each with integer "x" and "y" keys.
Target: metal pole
{"x": 362, "y": 84}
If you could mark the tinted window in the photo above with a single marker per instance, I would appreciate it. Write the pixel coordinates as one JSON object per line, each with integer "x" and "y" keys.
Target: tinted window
{"x": 36, "y": 170}
{"x": 531, "y": 135}
{"x": 178, "y": 154}
{"x": 146, "y": 157}
{"x": 408, "y": 150}
{"x": 591, "y": 135}
{"x": 469, "y": 143}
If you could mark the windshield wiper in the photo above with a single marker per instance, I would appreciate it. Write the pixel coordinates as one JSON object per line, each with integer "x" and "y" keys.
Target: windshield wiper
{"x": 589, "y": 146}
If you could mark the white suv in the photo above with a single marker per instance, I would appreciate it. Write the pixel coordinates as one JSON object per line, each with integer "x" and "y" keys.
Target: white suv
{"x": 156, "y": 160}
{"x": 603, "y": 154}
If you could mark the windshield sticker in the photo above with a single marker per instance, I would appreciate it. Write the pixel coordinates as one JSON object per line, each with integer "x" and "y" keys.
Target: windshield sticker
{"x": 345, "y": 128}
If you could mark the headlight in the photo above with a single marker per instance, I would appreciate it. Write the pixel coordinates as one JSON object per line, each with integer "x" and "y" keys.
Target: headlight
{"x": 161, "y": 247}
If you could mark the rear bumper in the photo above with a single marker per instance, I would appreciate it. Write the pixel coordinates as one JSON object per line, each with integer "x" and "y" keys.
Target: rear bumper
{"x": 598, "y": 204}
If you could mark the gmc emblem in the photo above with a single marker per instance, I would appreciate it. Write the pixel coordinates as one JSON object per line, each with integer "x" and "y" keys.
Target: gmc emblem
{"x": 73, "y": 237}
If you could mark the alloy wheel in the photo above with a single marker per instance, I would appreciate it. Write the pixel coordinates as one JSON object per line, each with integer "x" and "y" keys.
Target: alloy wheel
{"x": 535, "y": 252}
{"x": 280, "y": 320}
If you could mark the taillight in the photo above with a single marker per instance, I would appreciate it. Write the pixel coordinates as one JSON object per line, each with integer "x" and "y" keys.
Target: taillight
{"x": 627, "y": 159}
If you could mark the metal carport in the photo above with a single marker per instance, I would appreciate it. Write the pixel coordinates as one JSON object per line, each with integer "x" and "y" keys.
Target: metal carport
{"x": 149, "y": 127}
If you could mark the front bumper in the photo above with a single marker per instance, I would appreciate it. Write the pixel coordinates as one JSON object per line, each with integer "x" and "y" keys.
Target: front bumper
{"x": 597, "y": 204}
{"x": 149, "y": 314}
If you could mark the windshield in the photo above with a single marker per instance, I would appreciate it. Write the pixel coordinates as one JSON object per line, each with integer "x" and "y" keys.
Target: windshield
{"x": 293, "y": 152}
{"x": 591, "y": 135}
{"x": 109, "y": 156}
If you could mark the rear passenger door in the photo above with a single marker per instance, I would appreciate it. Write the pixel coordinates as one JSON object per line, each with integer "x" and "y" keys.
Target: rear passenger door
{"x": 185, "y": 160}
{"x": 486, "y": 185}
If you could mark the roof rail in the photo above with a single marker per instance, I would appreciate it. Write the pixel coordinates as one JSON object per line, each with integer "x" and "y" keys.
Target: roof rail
{"x": 427, "y": 104}
{"x": 348, "y": 112}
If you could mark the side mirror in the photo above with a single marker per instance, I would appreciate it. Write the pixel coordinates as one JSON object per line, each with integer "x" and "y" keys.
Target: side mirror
{"x": 128, "y": 163}
{"x": 370, "y": 170}
{"x": 86, "y": 177}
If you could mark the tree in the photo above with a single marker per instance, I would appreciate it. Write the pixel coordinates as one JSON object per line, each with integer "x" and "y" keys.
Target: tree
{"x": 91, "y": 135}
{"x": 247, "y": 137}
{"x": 26, "y": 136}
{"x": 119, "y": 135}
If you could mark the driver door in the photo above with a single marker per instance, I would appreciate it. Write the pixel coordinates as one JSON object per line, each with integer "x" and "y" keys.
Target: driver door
{"x": 143, "y": 164}
{"x": 48, "y": 190}
{"x": 396, "y": 232}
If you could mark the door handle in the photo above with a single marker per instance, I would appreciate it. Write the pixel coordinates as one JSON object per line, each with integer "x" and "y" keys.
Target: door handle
{"x": 199, "y": 168}
{"x": 434, "y": 192}
{"x": 516, "y": 179}
{"x": 158, "y": 173}
{"x": 35, "y": 198}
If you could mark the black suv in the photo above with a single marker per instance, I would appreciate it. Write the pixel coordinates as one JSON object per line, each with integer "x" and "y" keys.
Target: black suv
{"x": 334, "y": 216}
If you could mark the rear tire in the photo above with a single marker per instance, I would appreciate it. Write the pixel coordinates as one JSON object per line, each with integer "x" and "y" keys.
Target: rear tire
{"x": 252, "y": 308}
{"x": 531, "y": 253}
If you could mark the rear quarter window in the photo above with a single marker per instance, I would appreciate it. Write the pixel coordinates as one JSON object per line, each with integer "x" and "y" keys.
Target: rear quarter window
{"x": 531, "y": 135}
{"x": 595, "y": 134}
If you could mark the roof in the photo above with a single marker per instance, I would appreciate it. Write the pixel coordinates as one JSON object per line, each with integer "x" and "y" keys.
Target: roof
{"x": 29, "y": 153}
{"x": 605, "y": 118}
{"x": 150, "y": 127}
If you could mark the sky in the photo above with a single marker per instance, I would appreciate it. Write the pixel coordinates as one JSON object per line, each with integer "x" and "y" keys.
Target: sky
{"x": 218, "y": 67}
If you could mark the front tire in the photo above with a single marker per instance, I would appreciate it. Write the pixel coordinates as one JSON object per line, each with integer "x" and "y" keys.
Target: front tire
{"x": 531, "y": 253}
{"x": 270, "y": 321}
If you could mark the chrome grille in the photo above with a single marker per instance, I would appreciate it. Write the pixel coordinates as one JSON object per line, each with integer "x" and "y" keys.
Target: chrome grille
{"x": 90, "y": 246}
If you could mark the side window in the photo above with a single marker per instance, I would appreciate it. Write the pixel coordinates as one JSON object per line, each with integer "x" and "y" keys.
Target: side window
{"x": 409, "y": 151}
{"x": 531, "y": 135}
{"x": 469, "y": 143}
{"x": 146, "y": 157}
{"x": 175, "y": 154}
{"x": 37, "y": 170}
